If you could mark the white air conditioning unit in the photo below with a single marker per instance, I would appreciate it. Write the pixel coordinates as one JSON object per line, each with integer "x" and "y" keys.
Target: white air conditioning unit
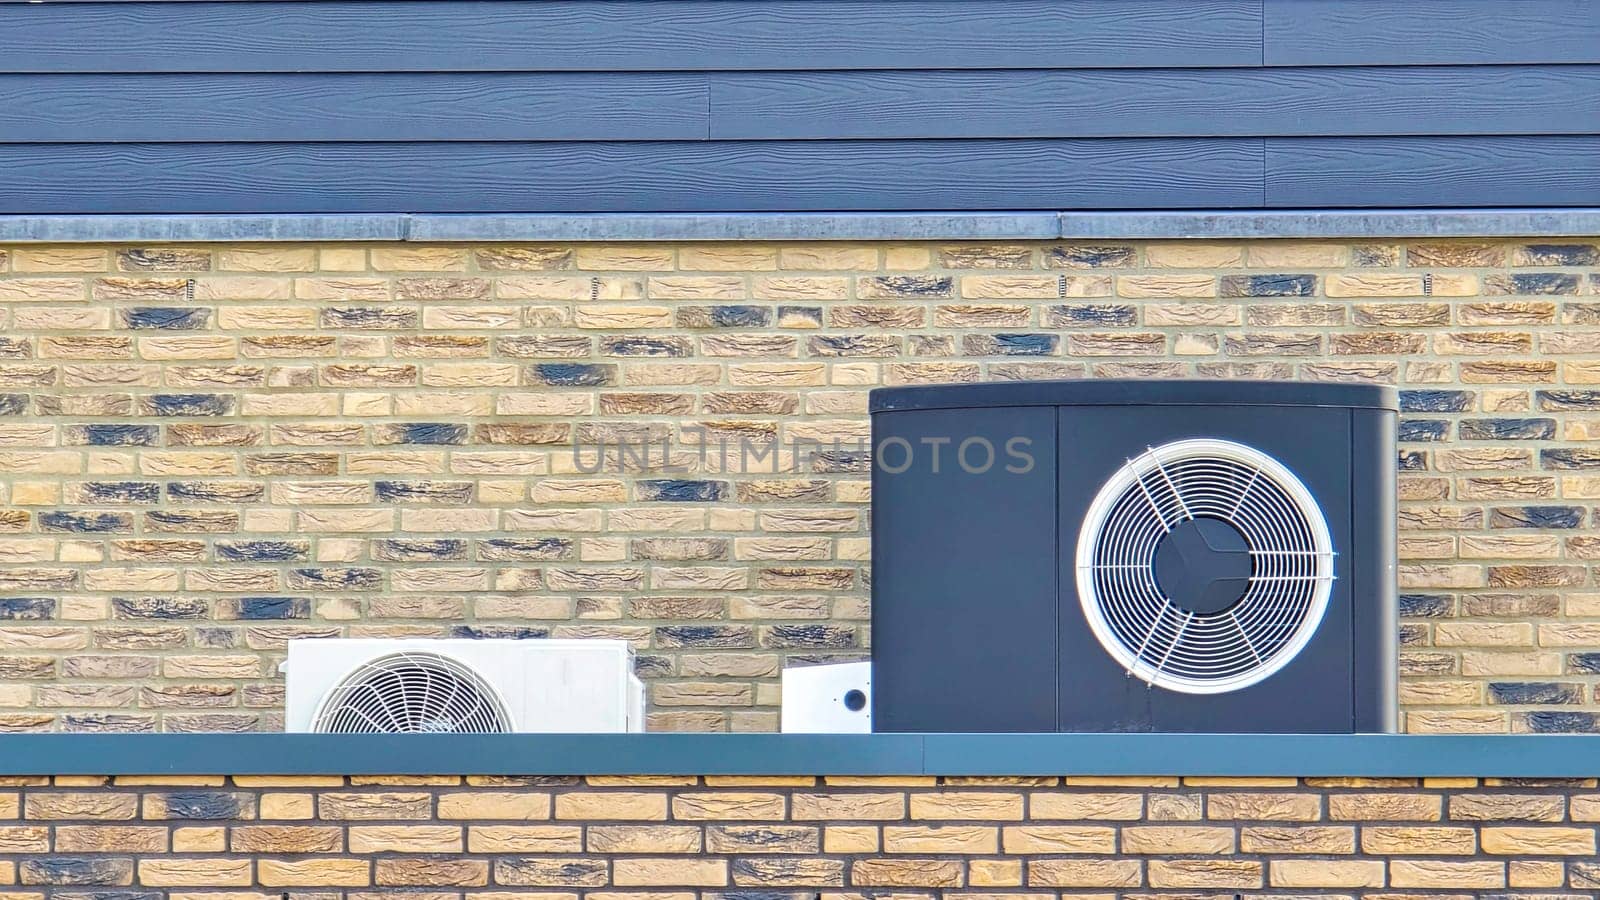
{"x": 834, "y": 698}
{"x": 368, "y": 686}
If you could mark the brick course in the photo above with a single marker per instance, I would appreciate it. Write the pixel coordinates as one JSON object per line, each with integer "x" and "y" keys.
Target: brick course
{"x": 208, "y": 450}
{"x": 524, "y": 837}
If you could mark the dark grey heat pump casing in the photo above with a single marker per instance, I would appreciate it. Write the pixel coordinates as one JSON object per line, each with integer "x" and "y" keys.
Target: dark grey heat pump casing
{"x": 1179, "y": 556}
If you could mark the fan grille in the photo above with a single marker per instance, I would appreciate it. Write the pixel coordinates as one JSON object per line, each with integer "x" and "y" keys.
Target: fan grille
{"x": 412, "y": 693}
{"x": 1204, "y": 652}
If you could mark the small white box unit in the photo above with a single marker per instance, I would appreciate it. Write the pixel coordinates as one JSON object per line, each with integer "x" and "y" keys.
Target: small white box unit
{"x": 835, "y": 698}
{"x": 367, "y": 686}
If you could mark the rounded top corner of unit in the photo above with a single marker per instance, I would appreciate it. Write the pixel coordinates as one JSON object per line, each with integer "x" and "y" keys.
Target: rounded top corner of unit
{"x": 1136, "y": 392}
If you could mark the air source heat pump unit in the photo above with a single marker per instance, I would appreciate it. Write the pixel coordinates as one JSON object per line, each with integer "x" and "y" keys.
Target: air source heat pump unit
{"x": 421, "y": 686}
{"x": 1134, "y": 556}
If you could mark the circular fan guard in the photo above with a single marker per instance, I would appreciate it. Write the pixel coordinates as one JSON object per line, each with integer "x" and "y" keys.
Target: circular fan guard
{"x": 412, "y": 693}
{"x": 1204, "y": 652}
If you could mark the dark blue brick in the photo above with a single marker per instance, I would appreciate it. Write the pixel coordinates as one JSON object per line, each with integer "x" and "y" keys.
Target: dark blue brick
{"x": 166, "y": 318}
{"x": 1089, "y": 314}
{"x": 107, "y": 895}
{"x": 651, "y": 666}
{"x": 1431, "y": 606}
{"x": 673, "y": 490}
{"x": 1088, "y": 256}
{"x": 908, "y": 286}
{"x": 853, "y": 345}
{"x": 1534, "y": 693}
{"x": 403, "y": 549}
{"x": 159, "y": 608}
{"x": 740, "y": 316}
{"x": 452, "y": 492}
{"x": 1560, "y": 400}
{"x": 263, "y": 608}
{"x": 13, "y": 404}
{"x": 86, "y": 522}
{"x": 1024, "y": 344}
{"x": 722, "y": 637}
{"x": 1544, "y": 283}
{"x": 263, "y": 551}
{"x": 1563, "y": 254}
{"x": 503, "y": 632}
{"x": 189, "y": 404}
{"x": 1413, "y": 635}
{"x": 1536, "y": 517}
{"x": 429, "y": 433}
{"x": 502, "y": 549}
{"x": 208, "y": 805}
{"x": 1507, "y": 429}
{"x": 1269, "y": 285}
{"x": 121, "y": 492}
{"x": 1583, "y": 663}
{"x": 27, "y": 608}
{"x": 1551, "y": 722}
{"x": 76, "y": 870}
{"x": 1417, "y": 430}
{"x": 810, "y": 635}
{"x": 644, "y": 346}
{"x": 1435, "y": 401}
{"x": 1569, "y": 458}
{"x": 573, "y": 374}
{"x": 335, "y": 578}
{"x": 108, "y": 435}
{"x": 368, "y": 317}
{"x": 215, "y": 491}
{"x": 1413, "y": 460}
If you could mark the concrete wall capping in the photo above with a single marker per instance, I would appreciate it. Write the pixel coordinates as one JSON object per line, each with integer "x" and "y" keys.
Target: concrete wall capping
{"x": 932, "y": 225}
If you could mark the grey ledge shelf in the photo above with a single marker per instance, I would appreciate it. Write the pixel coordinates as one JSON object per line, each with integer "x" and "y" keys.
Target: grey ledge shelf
{"x": 843, "y": 226}
{"x": 1501, "y": 756}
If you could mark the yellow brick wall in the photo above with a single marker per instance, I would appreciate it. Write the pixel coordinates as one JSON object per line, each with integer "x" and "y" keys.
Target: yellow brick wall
{"x": 208, "y": 450}
{"x": 676, "y": 838}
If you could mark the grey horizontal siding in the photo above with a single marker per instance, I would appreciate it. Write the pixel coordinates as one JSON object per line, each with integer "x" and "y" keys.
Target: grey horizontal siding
{"x": 651, "y": 106}
{"x": 1429, "y": 32}
{"x": 616, "y": 177}
{"x": 643, "y": 35}
{"x": 631, "y": 35}
{"x": 639, "y": 106}
{"x": 1395, "y": 100}
{"x": 1434, "y": 172}
{"x": 241, "y": 107}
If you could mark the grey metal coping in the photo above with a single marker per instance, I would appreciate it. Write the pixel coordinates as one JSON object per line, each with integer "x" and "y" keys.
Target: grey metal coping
{"x": 1504, "y": 756}
{"x": 856, "y": 226}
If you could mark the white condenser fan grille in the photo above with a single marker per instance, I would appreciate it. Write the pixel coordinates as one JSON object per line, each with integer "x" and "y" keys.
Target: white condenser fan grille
{"x": 412, "y": 692}
{"x": 1204, "y": 566}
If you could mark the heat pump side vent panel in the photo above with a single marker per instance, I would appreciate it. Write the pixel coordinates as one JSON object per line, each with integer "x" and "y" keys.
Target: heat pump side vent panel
{"x": 462, "y": 686}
